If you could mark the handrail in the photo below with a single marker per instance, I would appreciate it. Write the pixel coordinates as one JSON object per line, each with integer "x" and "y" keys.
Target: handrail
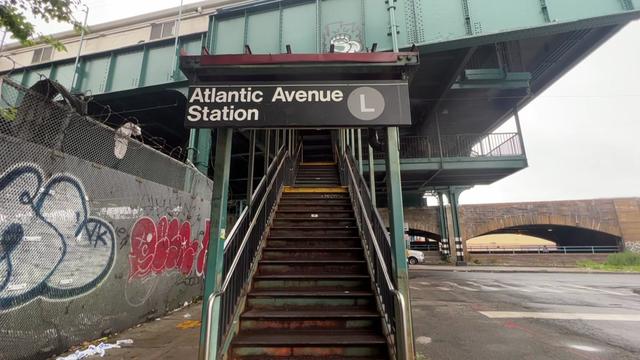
{"x": 380, "y": 258}
{"x": 236, "y": 259}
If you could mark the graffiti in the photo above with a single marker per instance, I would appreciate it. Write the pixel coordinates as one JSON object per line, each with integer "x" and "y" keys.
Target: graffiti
{"x": 165, "y": 246}
{"x": 49, "y": 245}
{"x": 345, "y": 37}
{"x": 633, "y": 246}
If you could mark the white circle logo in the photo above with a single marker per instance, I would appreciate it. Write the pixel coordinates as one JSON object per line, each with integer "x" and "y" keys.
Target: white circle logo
{"x": 366, "y": 103}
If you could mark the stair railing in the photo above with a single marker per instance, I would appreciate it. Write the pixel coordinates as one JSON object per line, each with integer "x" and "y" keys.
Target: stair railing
{"x": 243, "y": 244}
{"x": 376, "y": 237}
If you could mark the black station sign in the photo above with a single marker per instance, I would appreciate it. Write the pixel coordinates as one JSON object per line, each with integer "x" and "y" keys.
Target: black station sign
{"x": 299, "y": 105}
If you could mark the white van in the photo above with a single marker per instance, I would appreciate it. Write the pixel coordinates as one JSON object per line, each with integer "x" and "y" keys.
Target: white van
{"x": 415, "y": 257}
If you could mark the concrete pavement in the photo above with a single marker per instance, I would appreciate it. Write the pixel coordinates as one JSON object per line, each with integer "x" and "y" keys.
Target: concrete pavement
{"x": 481, "y": 315}
{"x": 473, "y": 315}
{"x": 513, "y": 269}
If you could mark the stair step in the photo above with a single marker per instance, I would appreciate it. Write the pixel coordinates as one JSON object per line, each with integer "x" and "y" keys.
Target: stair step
{"x": 311, "y": 276}
{"x": 308, "y": 338}
{"x": 324, "y": 313}
{"x": 312, "y": 262}
{"x": 303, "y": 357}
{"x": 320, "y": 293}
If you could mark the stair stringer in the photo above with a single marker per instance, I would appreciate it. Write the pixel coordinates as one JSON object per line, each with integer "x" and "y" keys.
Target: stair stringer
{"x": 235, "y": 324}
{"x": 368, "y": 254}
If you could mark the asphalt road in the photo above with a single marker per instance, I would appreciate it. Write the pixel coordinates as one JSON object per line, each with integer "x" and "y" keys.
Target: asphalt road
{"x": 494, "y": 316}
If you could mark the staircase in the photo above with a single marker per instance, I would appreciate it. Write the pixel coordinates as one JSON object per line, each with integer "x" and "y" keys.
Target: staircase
{"x": 311, "y": 297}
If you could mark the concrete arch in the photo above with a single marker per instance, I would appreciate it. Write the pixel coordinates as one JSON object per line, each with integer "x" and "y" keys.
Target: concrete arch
{"x": 474, "y": 229}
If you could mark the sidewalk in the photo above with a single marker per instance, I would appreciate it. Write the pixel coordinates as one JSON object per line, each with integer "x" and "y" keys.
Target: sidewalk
{"x": 514, "y": 269}
{"x": 171, "y": 337}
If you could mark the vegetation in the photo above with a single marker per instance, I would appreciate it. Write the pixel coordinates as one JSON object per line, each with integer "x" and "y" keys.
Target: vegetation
{"x": 626, "y": 261}
{"x": 14, "y": 18}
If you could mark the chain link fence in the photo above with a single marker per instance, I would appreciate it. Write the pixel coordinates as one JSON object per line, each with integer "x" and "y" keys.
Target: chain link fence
{"x": 98, "y": 231}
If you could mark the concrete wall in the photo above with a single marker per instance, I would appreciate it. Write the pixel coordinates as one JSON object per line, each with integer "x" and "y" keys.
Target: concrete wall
{"x": 87, "y": 250}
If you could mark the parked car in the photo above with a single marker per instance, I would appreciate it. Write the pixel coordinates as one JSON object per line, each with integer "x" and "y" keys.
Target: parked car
{"x": 415, "y": 257}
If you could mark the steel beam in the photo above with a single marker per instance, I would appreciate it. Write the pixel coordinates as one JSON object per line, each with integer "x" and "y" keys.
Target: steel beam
{"x": 252, "y": 158}
{"x": 372, "y": 176}
{"x": 360, "y": 151}
{"x": 444, "y": 226}
{"x": 454, "y": 195}
{"x": 218, "y": 230}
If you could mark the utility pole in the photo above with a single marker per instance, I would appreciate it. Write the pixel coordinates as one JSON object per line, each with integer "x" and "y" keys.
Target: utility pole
{"x": 75, "y": 66}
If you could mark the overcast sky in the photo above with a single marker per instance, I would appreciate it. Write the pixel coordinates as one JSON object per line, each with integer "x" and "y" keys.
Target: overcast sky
{"x": 582, "y": 135}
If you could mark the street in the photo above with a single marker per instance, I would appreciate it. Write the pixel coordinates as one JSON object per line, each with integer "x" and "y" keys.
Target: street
{"x": 492, "y": 316}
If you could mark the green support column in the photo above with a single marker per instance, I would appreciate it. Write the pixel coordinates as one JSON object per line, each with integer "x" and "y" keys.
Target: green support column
{"x": 398, "y": 244}
{"x": 215, "y": 252}
{"x": 372, "y": 177}
{"x": 444, "y": 226}
{"x": 203, "y": 152}
{"x": 455, "y": 219}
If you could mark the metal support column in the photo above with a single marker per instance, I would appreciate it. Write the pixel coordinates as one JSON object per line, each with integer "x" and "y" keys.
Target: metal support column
{"x": 267, "y": 148}
{"x": 215, "y": 251}
{"x": 454, "y": 194}
{"x": 252, "y": 159}
{"x": 516, "y": 115}
{"x": 360, "y": 152}
{"x": 203, "y": 152}
{"x": 398, "y": 244}
{"x": 353, "y": 142}
{"x": 444, "y": 226}
{"x": 372, "y": 177}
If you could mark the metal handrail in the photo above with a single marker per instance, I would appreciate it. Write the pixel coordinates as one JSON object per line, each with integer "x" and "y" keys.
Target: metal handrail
{"x": 541, "y": 249}
{"x": 236, "y": 259}
{"x": 399, "y": 296}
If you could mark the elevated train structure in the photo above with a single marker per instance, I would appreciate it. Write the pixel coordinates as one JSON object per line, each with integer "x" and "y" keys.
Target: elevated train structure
{"x": 281, "y": 192}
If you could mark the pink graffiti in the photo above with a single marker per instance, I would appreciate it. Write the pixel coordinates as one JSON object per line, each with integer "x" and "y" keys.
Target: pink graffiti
{"x": 164, "y": 246}
{"x": 202, "y": 257}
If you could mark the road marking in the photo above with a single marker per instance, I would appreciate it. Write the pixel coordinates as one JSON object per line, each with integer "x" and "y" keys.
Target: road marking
{"x": 460, "y": 286}
{"x": 559, "y": 316}
{"x": 425, "y": 283}
{"x": 546, "y": 289}
{"x": 599, "y": 290}
{"x": 443, "y": 288}
{"x": 513, "y": 287}
{"x": 483, "y": 287}
{"x": 414, "y": 288}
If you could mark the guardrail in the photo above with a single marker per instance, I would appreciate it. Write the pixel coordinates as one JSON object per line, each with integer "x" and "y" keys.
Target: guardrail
{"x": 243, "y": 244}
{"x": 456, "y": 146}
{"x": 379, "y": 255}
{"x": 536, "y": 249}
{"x": 424, "y": 247}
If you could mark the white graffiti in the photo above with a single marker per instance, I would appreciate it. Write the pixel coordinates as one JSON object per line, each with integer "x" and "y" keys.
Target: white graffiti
{"x": 50, "y": 246}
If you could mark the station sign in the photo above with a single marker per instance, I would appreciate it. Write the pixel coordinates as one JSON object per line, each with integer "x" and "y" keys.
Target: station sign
{"x": 298, "y": 105}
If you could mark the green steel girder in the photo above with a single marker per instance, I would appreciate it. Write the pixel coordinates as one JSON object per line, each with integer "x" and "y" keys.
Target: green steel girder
{"x": 268, "y": 26}
{"x": 310, "y": 26}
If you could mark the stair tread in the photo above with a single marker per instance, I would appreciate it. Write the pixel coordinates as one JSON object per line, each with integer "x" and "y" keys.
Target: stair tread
{"x": 312, "y": 262}
{"x": 311, "y": 313}
{"x": 322, "y": 293}
{"x": 312, "y": 276}
{"x": 300, "y": 337}
{"x": 276, "y": 227}
{"x": 302, "y": 357}
{"x": 319, "y": 249}
{"x": 314, "y": 237}
{"x": 314, "y": 219}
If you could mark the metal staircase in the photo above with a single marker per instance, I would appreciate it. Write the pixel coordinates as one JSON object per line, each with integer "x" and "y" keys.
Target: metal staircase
{"x": 310, "y": 281}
